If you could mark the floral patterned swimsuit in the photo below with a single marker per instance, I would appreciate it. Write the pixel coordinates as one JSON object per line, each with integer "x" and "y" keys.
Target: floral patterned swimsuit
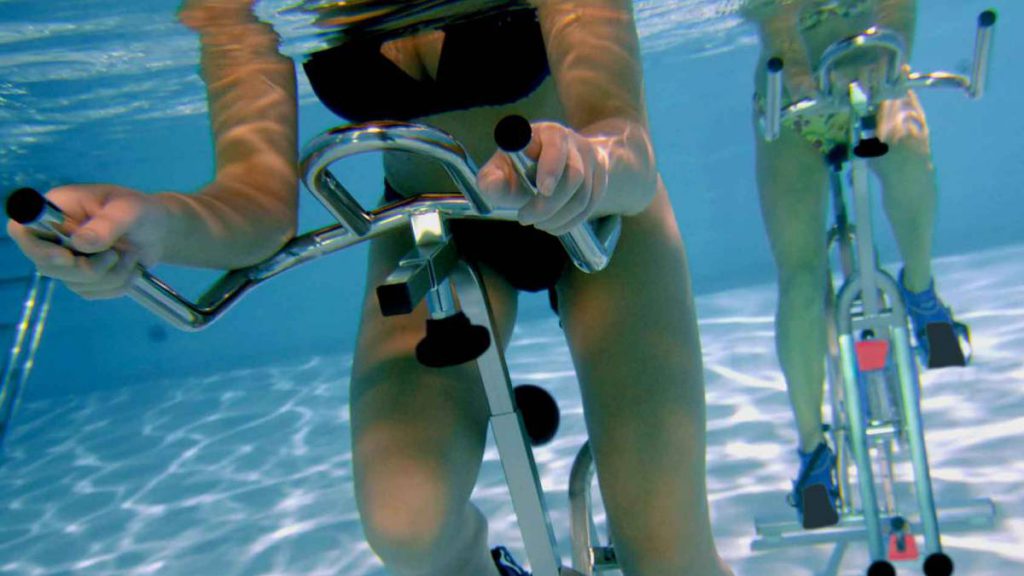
{"x": 823, "y": 131}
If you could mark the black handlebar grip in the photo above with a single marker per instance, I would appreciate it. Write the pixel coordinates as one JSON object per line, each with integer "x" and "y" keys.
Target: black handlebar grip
{"x": 513, "y": 133}
{"x": 25, "y": 205}
{"x": 987, "y": 18}
{"x": 774, "y": 64}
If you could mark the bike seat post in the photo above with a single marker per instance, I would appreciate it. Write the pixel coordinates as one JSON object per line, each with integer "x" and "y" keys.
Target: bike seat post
{"x": 866, "y": 145}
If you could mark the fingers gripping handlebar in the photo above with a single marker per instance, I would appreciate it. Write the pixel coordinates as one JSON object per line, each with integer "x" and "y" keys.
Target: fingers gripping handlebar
{"x": 29, "y": 208}
{"x": 590, "y": 246}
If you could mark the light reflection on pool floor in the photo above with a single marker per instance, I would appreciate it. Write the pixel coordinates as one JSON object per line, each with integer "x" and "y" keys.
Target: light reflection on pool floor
{"x": 248, "y": 472}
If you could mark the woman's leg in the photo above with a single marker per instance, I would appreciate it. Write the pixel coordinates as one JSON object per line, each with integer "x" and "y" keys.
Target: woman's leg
{"x": 418, "y": 436}
{"x": 792, "y": 179}
{"x": 908, "y": 182}
{"x": 633, "y": 335}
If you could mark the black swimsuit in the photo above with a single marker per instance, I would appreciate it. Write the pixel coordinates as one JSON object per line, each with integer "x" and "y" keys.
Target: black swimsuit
{"x": 492, "y": 60}
{"x": 489, "y": 61}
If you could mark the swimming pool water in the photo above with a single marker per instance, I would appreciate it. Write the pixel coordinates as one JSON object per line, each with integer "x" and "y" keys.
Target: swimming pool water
{"x": 140, "y": 450}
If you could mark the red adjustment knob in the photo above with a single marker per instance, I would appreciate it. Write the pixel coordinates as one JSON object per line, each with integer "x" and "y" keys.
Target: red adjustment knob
{"x": 872, "y": 354}
{"x": 902, "y": 546}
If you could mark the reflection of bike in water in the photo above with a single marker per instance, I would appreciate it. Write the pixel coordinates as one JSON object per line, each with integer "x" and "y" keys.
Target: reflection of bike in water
{"x": 871, "y": 369}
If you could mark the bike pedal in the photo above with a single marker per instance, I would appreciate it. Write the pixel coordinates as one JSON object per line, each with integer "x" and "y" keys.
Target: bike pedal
{"x": 819, "y": 510}
{"x": 943, "y": 346}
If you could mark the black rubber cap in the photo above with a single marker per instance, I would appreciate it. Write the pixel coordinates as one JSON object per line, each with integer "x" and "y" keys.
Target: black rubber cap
{"x": 881, "y": 568}
{"x": 871, "y": 148}
{"x": 452, "y": 341}
{"x": 540, "y": 413}
{"x": 25, "y": 205}
{"x": 987, "y": 18}
{"x": 774, "y": 64}
{"x": 513, "y": 133}
{"x": 938, "y": 564}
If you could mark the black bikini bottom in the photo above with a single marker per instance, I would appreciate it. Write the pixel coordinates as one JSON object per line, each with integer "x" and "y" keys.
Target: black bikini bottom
{"x": 527, "y": 258}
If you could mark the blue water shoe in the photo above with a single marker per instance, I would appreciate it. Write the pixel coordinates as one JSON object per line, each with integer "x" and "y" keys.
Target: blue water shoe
{"x": 507, "y": 565}
{"x": 814, "y": 494}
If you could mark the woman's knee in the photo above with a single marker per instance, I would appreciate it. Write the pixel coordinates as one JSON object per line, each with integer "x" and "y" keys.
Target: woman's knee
{"x": 417, "y": 444}
{"x": 801, "y": 271}
{"x": 407, "y": 508}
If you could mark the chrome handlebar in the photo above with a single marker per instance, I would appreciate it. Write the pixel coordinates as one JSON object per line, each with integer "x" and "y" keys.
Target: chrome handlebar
{"x": 589, "y": 245}
{"x": 356, "y": 224}
{"x": 897, "y": 80}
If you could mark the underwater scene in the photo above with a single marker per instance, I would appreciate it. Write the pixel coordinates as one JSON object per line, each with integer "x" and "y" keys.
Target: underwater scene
{"x": 141, "y": 438}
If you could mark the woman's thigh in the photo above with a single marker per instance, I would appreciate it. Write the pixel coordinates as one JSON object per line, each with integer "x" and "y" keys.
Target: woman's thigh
{"x": 792, "y": 184}
{"x": 418, "y": 433}
{"x": 633, "y": 335}
{"x": 633, "y": 323}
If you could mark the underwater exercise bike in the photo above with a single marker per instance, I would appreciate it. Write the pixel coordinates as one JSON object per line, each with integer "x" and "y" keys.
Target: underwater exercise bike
{"x": 871, "y": 371}
{"x": 459, "y": 326}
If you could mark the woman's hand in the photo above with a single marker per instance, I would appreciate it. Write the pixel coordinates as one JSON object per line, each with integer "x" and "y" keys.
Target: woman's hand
{"x": 117, "y": 229}
{"x": 572, "y": 176}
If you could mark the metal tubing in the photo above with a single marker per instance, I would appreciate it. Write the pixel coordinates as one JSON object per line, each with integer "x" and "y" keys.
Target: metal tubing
{"x": 872, "y": 38}
{"x": 510, "y": 434}
{"x": 21, "y": 356}
{"x": 590, "y": 249}
{"x": 955, "y": 516}
{"x": 773, "y": 99}
{"x": 160, "y": 299}
{"x": 589, "y": 245}
{"x": 151, "y": 293}
{"x": 525, "y": 168}
{"x": 341, "y": 204}
{"x": 431, "y": 237}
{"x": 982, "y": 53}
{"x": 580, "y": 506}
{"x": 440, "y": 301}
{"x": 858, "y": 440}
{"x": 939, "y": 80}
{"x": 345, "y": 141}
{"x": 865, "y": 237}
{"x": 227, "y": 290}
{"x": 835, "y": 560}
{"x": 163, "y": 301}
{"x": 915, "y": 438}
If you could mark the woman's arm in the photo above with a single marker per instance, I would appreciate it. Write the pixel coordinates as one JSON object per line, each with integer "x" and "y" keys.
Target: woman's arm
{"x": 243, "y": 216}
{"x": 250, "y": 208}
{"x": 594, "y": 55}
